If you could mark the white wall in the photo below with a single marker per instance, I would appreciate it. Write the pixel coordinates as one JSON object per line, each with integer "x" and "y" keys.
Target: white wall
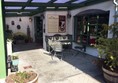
{"x": 24, "y": 24}
{"x": 106, "y": 6}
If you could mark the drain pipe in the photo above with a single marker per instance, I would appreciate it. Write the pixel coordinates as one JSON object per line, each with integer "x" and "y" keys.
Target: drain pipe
{"x": 116, "y": 9}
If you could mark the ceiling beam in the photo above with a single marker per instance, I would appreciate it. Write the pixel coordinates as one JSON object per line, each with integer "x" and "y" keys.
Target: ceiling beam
{"x": 12, "y": 4}
{"x": 69, "y": 2}
{"x": 51, "y": 1}
{"x": 37, "y": 11}
{"x": 87, "y": 3}
{"x": 28, "y": 2}
{"x": 42, "y": 6}
{"x": 15, "y": 15}
{"x": 17, "y": 10}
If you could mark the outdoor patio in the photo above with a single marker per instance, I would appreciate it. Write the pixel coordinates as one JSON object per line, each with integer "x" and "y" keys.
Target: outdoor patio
{"x": 72, "y": 68}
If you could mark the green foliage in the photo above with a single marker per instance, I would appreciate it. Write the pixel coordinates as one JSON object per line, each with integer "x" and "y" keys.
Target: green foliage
{"x": 21, "y": 77}
{"x": 9, "y": 35}
{"x": 19, "y": 36}
{"x": 108, "y": 47}
{"x": 14, "y": 57}
{"x": 114, "y": 29}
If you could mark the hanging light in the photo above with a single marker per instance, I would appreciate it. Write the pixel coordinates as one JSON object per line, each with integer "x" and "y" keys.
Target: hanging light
{"x": 42, "y": 16}
{"x": 68, "y": 14}
{"x": 20, "y": 19}
{"x": 30, "y": 19}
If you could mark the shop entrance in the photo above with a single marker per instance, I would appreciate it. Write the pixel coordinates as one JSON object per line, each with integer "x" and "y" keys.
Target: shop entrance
{"x": 39, "y": 30}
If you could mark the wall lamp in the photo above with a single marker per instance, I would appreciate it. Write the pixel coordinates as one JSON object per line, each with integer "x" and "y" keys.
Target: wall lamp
{"x": 30, "y": 19}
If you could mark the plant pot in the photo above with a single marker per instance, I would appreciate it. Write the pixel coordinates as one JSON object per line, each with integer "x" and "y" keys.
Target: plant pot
{"x": 15, "y": 62}
{"x": 12, "y": 78}
{"x": 35, "y": 80}
{"x": 110, "y": 77}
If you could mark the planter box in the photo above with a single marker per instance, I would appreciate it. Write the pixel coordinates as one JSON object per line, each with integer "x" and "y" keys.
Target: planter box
{"x": 14, "y": 66}
{"x": 32, "y": 79}
{"x": 15, "y": 62}
{"x": 9, "y": 47}
{"x": 110, "y": 77}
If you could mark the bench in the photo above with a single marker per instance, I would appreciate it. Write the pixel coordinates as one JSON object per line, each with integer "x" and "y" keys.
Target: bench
{"x": 66, "y": 40}
{"x": 81, "y": 48}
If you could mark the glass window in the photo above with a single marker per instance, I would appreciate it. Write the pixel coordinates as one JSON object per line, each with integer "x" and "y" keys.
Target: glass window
{"x": 88, "y": 27}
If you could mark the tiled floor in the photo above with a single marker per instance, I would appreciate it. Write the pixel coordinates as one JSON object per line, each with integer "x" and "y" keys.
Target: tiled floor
{"x": 72, "y": 69}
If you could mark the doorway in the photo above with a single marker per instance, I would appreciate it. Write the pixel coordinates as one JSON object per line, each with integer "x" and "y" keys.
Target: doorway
{"x": 39, "y": 30}
{"x": 88, "y": 24}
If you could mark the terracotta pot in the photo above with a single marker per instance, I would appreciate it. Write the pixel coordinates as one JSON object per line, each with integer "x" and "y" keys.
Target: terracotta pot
{"x": 35, "y": 80}
{"x": 9, "y": 79}
{"x": 110, "y": 77}
{"x": 15, "y": 62}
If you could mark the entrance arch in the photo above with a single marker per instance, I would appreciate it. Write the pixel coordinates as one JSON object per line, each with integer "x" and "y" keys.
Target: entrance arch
{"x": 88, "y": 24}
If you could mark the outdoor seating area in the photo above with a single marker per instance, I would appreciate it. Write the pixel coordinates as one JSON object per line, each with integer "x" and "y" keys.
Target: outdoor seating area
{"x": 59, "y": 41}
{"x": 71, "y": 69}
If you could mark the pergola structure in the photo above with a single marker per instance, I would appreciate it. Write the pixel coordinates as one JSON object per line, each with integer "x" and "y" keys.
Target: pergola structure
{"x": 10, "y": 8}
{"x": 32, "y": 7}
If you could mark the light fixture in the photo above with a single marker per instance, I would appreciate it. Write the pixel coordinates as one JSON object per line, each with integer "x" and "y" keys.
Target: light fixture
{"x": 42, "y": 16}
{"x": 50, "y": 7}
{"x": 19, "y": 13}
{"x": 68, "y": 15}
{"x": 63, "y": 7}
{"x": 30, "y": 19}
{"x": 20, "y": 19}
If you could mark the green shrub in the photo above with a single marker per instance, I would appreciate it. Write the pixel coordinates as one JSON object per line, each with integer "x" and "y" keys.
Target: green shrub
{"x": 108, "y": 47}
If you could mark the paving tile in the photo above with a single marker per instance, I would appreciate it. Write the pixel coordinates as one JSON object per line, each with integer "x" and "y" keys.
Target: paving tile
{"x": 72, "y": 69}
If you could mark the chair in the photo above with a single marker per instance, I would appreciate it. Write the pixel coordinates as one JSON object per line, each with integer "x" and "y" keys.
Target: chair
{"x": 58, "y": 49}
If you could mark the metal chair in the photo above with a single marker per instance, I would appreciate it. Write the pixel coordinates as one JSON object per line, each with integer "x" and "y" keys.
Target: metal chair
{"x": 58, "y": 49}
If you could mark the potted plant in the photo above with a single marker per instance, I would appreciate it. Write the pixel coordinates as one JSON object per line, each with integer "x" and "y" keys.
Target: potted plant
{"x": 108, "y": 51}
{"x": 22, "y": 77}
{"x": 15, "y": 61}
{"x": 19, "y": 37}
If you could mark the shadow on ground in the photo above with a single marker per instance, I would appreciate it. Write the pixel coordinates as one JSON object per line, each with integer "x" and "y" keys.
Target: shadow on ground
{"x": 26, "y": 46}
{"x": 84, "y": 62}
{"x": 72, "y": 62}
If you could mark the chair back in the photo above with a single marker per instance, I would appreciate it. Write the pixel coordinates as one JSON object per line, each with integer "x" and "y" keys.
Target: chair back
{"x": 58, "y": 47}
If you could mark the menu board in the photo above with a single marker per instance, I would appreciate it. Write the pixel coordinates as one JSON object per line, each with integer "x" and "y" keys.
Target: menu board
{"x": 53, "y": 22}
{"x": 56, "y": 23}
